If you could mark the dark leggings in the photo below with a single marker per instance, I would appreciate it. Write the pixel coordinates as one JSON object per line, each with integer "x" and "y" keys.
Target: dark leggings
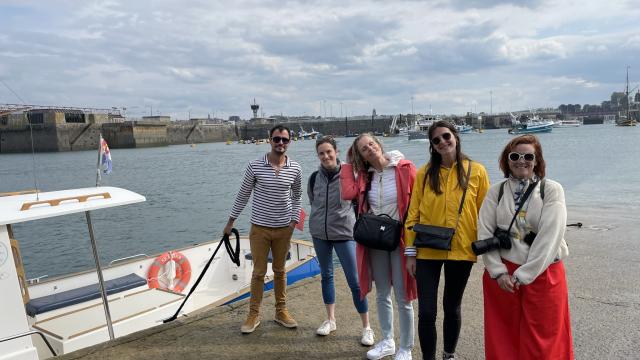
{"x": 456, "y": 274}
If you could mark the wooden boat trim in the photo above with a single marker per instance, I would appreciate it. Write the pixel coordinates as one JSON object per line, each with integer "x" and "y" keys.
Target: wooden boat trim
{"x": 75, "y": 311}
{"x": 56, "y": 202}
{"x": 48, "y": 332}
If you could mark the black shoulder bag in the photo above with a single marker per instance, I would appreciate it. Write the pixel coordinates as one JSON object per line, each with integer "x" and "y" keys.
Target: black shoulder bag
{"x": 439, "y": 237}
{"x": 380, "y": 232}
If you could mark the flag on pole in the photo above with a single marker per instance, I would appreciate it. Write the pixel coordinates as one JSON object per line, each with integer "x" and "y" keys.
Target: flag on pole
{"x": 105, "y": 159}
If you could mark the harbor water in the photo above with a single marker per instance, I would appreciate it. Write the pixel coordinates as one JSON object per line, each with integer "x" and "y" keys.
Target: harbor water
{"x": 190, "y": 189}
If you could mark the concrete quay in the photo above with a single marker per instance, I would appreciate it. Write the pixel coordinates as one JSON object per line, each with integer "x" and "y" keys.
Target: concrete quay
{"x": 604, "y": 296}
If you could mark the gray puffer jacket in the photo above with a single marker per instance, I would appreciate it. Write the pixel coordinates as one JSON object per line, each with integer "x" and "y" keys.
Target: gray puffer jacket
{"x": 331, "y": 217}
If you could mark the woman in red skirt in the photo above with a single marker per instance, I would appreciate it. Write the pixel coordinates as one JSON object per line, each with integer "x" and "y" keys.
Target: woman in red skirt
{"x": 526, "y": 307}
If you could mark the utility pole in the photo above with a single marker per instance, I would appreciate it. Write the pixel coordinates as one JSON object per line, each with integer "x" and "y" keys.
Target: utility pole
{"x": 491, "y": 109}
{"x": 341, "y": 109}
{"x": 412, "y": 113}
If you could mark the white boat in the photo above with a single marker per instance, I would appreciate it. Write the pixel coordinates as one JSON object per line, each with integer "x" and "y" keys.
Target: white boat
{"x": 67, "y": 313}
{"x": 464, "y": 129}
{"x": 303, "y": 134}
{"x": 567, "y": 123}
{"x": 530, "y": 125}
{"x": 420, "y": 128}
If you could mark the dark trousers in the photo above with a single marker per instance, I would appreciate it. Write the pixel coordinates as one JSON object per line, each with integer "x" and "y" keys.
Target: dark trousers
{"x": 456, "y": 274}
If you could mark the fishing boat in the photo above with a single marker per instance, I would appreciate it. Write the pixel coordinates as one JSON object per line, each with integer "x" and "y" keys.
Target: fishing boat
{"x": 567, "y": 123}
{"x": 42, "y": 319}
{"x": 464, "y": 129}
{"x": 530, "y": 125}
{"x": 420, "y": 128}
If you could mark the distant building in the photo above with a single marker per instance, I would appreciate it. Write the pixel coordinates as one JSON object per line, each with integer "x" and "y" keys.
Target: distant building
{"x": 157, "y": 118}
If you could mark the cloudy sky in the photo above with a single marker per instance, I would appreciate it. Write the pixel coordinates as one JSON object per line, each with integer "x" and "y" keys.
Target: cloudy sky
{"x": 310, "y": 57}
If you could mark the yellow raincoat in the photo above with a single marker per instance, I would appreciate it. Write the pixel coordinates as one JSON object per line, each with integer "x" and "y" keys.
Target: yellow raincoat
{"x": 442, "y": 210}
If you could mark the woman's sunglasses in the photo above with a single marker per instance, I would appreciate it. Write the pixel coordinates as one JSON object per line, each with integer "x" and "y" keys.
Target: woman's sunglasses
{"x": 446, "y": 137}
{"x": 514, "y": 156}
{"x": 278, "y": 139}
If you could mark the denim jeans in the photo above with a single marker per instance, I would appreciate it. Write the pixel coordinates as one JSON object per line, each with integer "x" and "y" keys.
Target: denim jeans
{"x": 387, "y": 273}
{"x": 346, "y": 251}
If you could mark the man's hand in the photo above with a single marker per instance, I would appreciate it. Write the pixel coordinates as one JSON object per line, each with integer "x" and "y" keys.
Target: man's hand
{"x": 292, "y": 225}
{"x": 228, "y": 227}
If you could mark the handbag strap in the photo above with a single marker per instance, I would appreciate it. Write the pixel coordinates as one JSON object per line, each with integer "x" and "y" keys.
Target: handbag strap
{"x": 523, "y": 199}
{"x": 366, "y": 198}
{"x": 464, "y": 194}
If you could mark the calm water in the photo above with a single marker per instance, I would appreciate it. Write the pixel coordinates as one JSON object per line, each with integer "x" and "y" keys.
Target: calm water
{"x": 190, "y": 190}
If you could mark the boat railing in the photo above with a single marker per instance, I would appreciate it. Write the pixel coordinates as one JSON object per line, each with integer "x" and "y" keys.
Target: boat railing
{"x": 28, "y": 333}
{"x": 128, "y": 258}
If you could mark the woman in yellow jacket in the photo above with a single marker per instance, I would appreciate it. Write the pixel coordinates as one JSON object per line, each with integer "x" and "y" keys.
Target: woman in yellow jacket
{"x": 435, "y": 200}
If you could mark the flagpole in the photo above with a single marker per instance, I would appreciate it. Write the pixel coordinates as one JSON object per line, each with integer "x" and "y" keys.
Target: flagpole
{"x": 99, "y": 161}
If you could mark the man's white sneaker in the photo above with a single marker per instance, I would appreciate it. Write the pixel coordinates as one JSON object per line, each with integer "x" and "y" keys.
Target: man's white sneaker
{"x": 326, "y": 328}
{"x": 403, "y": 354}
{"x": 384, "y": 348}
{"x": 367, "y": 337}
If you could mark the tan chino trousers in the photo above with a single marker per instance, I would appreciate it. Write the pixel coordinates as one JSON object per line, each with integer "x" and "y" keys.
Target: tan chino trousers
{"x": 263, "y": 239}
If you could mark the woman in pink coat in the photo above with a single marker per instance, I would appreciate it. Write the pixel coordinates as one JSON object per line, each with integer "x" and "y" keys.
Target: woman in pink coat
{"x": 383, "y": 186}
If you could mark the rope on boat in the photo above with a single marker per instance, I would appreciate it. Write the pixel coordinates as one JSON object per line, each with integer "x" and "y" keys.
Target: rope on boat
{"x": 234, "y": 254}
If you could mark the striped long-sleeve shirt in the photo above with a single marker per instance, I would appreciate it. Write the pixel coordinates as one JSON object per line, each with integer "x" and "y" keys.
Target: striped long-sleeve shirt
{"x": 277, "y": 199}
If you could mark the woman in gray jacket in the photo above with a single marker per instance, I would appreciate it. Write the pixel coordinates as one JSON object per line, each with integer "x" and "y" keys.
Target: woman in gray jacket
{"x": 331, "y": 226}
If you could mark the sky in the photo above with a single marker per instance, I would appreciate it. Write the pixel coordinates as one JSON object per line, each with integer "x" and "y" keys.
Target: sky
{"x": 213, "y": 58}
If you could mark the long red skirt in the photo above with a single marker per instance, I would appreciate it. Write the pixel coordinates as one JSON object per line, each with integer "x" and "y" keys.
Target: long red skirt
{"x": 531, "y": 323}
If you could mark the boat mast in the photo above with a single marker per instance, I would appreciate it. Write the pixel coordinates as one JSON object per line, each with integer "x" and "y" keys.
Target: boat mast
{"x": 627, "y": 95}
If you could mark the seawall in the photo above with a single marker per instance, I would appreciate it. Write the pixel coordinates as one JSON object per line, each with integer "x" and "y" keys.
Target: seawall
{"x": 135, "y": 134}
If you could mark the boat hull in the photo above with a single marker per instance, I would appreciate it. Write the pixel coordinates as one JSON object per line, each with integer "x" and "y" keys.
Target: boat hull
{"x": 418, "y": 135}
{"x": 82, "y": 325}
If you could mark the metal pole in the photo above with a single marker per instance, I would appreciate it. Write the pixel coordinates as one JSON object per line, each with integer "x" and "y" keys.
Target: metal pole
{"x": 103, "y": 291}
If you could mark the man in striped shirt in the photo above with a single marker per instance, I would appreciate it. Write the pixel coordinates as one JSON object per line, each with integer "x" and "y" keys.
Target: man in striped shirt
{"x": 276, "y": 183}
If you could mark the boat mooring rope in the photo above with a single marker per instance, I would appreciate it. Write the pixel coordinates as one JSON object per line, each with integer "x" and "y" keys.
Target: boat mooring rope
{"x": 234, "y": 254}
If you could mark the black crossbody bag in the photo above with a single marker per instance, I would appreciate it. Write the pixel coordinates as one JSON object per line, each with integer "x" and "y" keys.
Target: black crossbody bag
{"x": 380, "y": 232}
{"x": 439, "y": 237}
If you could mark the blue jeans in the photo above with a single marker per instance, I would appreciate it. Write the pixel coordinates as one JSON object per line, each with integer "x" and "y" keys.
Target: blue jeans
{"x": 346, "y": 251}
{"x": 388, "y": 272}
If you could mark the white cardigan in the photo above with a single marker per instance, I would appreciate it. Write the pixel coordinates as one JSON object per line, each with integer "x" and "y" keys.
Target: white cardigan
{"x": 547, "y": 218}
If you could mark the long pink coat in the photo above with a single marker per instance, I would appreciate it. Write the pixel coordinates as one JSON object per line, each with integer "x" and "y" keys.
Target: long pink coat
{"x": 355, "y": 189}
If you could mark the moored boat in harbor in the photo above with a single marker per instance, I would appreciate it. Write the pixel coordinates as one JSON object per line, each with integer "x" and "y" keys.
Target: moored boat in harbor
{"x": 530, "y": 125}
{"x": 71, "y": 312}
{"x": 567, "y": 123}
{"x": 420, "y": 128}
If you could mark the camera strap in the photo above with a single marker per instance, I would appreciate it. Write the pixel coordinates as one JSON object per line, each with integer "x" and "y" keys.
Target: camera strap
{"x": 523, "y": 199}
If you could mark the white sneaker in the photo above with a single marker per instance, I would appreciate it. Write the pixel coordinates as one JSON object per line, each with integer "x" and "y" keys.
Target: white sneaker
{"x": 367, "y": 337}
{"x": 403, "y": 354}
{"x": 384, "y": 348}
{"x": 326, "y": 328}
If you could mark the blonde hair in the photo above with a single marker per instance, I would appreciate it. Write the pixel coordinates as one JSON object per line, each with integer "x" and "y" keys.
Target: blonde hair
{"x": 359, "y": 163}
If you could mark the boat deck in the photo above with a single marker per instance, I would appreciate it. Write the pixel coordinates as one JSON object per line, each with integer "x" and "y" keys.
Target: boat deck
{"x": 605, "y": 311}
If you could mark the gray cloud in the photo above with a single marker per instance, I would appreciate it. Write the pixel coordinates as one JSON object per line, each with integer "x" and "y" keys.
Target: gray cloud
{"x": 291, "y": 56}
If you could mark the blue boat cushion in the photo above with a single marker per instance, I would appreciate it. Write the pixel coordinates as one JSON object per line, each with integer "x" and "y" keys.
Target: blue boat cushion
{"x": 269, "y": 257}
{"x": 75, "y": 296}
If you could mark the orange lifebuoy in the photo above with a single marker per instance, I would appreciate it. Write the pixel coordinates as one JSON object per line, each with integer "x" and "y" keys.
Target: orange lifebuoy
{"x": 182, "y": 272}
